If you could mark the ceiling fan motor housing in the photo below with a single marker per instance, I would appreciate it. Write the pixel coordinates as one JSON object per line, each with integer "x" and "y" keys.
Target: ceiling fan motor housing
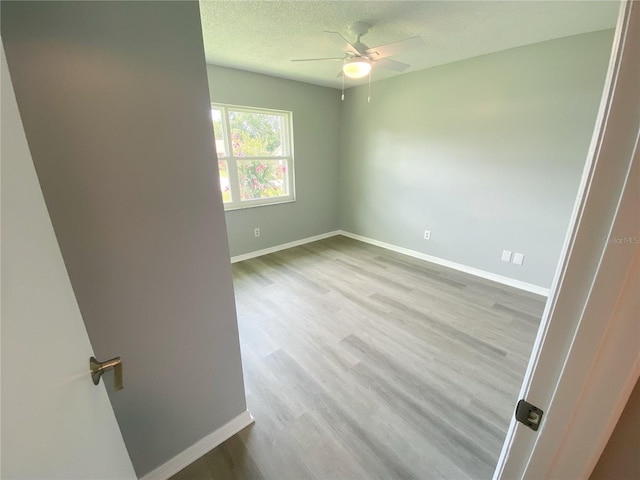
{"x": 359, "y": 29}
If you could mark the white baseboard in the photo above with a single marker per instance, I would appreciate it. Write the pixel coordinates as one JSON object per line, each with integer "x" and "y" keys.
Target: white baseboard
{"x": 529, "y": 287}
{"x": 198, "y": 449}
{"x": 284, "y": 246}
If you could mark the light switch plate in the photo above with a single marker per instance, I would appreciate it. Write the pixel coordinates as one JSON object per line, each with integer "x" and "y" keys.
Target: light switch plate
{"x": 506, "y": 255}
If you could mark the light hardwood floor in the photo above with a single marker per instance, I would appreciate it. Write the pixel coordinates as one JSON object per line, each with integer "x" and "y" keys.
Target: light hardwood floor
{"x": 361, "y": 363}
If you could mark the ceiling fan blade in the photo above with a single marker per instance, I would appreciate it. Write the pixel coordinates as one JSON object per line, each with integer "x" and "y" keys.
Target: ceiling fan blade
{"x": 317, "y": 59}
{"x": 390, "y": 49}
{"x": 342, "y": 42}
{"x": 391, "y": 65}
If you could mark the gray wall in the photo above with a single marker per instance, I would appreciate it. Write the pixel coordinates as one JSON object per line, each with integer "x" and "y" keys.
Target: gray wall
{"x": 115, "y": 105}
{"x": 486, "y": 153}
{"x": 316, "y": 123}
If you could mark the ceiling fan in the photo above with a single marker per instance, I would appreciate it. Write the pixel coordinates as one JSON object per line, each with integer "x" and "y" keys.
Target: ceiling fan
{"x": 359, "y": 58}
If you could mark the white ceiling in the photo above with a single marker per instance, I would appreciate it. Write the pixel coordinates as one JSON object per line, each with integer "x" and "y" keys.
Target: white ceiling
{"x": 263, "y": 36}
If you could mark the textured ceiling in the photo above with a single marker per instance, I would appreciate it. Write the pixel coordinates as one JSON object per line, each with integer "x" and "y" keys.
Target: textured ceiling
{"x": 263, "y": 36}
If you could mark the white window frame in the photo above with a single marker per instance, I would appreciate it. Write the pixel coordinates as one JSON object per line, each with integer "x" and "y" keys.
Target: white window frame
{"x": 234, "y": 185}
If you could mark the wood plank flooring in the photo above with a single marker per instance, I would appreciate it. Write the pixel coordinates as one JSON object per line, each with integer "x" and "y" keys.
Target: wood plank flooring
{"x": 361, "y": 363}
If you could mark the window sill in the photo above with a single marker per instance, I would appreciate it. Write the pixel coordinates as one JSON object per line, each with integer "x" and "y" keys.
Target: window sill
{"x": 270, "y": 204}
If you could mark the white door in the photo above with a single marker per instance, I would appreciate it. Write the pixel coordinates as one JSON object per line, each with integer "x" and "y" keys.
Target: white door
{"x": 55, "y": 423}
{"x": 586, "y": 358}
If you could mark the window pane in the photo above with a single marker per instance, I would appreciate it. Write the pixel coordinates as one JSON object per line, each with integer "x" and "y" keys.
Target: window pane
{"x": 256, "y": 134}
{"x": 223, "y": 168}
{"x": 216, "y": 115}
{"x": 263, "y": 179}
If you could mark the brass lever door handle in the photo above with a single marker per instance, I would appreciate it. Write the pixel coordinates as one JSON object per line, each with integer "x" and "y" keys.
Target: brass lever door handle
{"x": 97, "y": 368}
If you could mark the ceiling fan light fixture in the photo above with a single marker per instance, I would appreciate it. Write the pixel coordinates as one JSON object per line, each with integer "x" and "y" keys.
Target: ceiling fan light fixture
{"x": 357, "y": 67}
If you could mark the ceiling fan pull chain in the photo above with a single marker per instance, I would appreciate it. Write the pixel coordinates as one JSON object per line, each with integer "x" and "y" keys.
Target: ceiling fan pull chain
{"x": 369, "y": 97}
{"x": 343, "y": 83}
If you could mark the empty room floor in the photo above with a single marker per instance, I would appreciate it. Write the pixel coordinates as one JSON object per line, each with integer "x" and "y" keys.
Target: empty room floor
{"x": 363, "y": 363}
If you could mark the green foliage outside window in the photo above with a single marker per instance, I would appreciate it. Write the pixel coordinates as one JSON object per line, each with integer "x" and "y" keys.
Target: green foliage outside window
{"x": 262, "y": 178}
{"x": 259, "y": 154}
{"x": 256, "y": 134}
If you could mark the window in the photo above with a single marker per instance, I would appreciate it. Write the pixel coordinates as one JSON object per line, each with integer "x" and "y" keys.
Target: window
{"x": 255, "y": 155}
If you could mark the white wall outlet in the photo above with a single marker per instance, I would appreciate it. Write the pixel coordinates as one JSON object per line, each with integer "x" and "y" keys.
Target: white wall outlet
{"x": 506, "y": 255}
{"x": 256, "y": 232}
{"x": 427, "y": 234}
{"x": 518, "y": 258}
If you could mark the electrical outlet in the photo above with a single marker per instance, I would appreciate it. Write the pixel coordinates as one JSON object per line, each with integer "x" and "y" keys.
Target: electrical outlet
{"x": 506, "y": 255}
{"x": 518, "y": 258}
{"x": 427, "y": 234}
{"x": 256, "y": 232}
